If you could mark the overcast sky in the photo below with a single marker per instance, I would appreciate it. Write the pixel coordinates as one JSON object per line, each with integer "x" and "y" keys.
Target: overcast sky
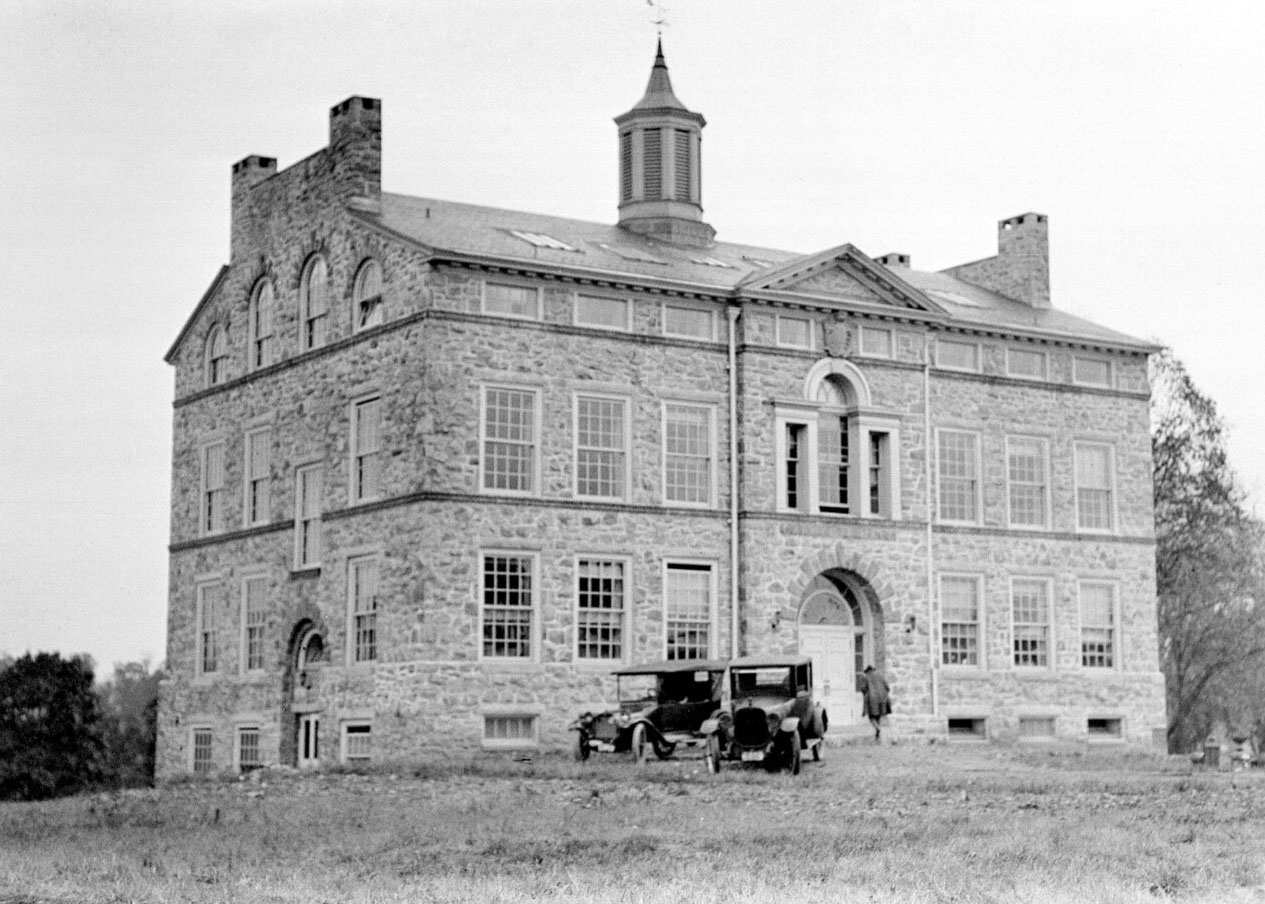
{"x": 896, "y": 126}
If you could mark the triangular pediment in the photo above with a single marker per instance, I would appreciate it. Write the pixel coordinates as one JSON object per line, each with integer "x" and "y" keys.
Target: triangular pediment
{"x": 844, "y": 274}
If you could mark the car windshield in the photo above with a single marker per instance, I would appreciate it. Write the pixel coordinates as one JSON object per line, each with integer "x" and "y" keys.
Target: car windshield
{"x": 775, "y": 680}
{"x": 687, "y": 687}
{"x": 637, "y": 688}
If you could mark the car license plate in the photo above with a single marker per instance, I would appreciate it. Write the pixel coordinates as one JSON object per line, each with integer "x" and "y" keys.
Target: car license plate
{"x": 753, "y": 756}
{"x": 603, "y": 747}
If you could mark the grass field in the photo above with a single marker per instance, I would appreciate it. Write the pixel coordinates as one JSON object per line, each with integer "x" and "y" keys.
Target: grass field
{"x": 882, "y": 824}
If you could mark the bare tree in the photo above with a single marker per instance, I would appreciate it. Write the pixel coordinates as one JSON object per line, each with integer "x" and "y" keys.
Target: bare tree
{"x": 1208, "y": 560}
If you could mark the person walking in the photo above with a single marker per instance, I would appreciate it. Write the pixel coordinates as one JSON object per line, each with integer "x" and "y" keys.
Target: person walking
{"x": 876, "y": 698}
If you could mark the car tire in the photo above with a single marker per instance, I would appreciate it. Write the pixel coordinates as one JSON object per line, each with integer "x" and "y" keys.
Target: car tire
{"x": 582, "y": 748}
{"x": 638, "y": 744}
{"x": 711, "y": 759}
{"x": 793, "y": 755}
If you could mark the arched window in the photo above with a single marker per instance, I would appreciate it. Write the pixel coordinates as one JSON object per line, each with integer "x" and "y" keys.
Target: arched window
{"x": 367, "y": 296}
{"x": 262, "y": 315}
{"x": 837, "y": 454}
{"x": 314, "y": 303}
{"x": 216, "y": 356}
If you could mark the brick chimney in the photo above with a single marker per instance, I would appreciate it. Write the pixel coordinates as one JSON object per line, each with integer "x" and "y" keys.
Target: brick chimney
{"x": 1021, "y": 269}
{"x": 247, "y": 173}
{"x": 355, "y": 146}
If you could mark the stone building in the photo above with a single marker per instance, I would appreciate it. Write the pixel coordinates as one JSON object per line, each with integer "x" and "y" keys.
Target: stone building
{"x": 439, "y": 468}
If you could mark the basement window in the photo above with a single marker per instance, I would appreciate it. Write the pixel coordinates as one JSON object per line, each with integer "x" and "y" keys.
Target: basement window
{"x": 357, "y": 742}
{"x": 1036, "y": 728}
{"x": 968, "y": 728}
{"x": 509, "y": 731}
{"x": 541, "y": 240}
{"x": 1104, "y": 729}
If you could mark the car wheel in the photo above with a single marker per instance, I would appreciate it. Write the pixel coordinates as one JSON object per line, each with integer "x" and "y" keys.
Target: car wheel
{"x": 794, "y": 753}
{"x": 582, "y": 748}
{"x": 711, "y": 759}
{"x": 638, "y": 745}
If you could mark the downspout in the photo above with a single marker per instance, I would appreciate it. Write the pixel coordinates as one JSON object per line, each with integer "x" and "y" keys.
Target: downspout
{"x": 932, "y": 622}
{"x": 734, "y": 312}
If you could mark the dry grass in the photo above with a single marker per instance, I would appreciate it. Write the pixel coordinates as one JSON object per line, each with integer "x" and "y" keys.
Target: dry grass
{"x": 900, "y": 823}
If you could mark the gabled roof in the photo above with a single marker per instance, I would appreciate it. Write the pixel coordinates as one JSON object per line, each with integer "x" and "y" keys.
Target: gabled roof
{"x": 197, "y": 312}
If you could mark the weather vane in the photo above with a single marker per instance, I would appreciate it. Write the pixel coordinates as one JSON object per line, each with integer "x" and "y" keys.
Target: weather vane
{"x": 661, "y": 16}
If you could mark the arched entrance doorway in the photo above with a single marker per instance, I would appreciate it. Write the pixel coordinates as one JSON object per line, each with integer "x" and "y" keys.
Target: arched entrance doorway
{"x": 838, "y": 627}
{"x": 305, "y": 663}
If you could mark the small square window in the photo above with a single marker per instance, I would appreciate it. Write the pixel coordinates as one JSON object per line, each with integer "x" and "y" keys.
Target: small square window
{"x": 794, "y": 332}
{"x": 509, "y": 730}
{"x": 968, "y": 728}
{"x": 687, "y": 323}
{"x": 1025, "y": 363}
{"x": 604, "y": 313}
{"x": 1103, "y": 729}
{"x": 1036, "y": 728}
{"x": 876, "y": 342}
{"x": 1091, "y": 371}
{"x": 357, "y": 742}
{"x": 511, "y": 301}
{"x": 953, "y": 355}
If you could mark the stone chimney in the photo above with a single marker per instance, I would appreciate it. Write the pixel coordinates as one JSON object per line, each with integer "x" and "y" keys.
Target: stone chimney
{"x": 247, "y": 173}
{"x": 894, "y": 259}
{"x": 1021, "y": 269}
{"x": 355, "y": 147}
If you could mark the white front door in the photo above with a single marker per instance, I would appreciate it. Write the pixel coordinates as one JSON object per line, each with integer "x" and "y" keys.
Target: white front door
{"x": 309, "y": 741}
{"x": 833, "y": 648}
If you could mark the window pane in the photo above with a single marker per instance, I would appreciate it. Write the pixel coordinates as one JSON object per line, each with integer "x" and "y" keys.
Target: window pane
{"x": 688, "y": 608}
{"x": 1098, "y": 607}
{"x": 1030, "y": 615}
{"x": 1022, "y": 362}
{"x": 248, "y": 748}
{"x": 510, "y": 301}
{"x": 959, "y": 614}
{"x": 1094, "y": 508}
{"x": 693, "y": 323}
{"x": 364, "y": 607}
{"x": 687, "y": 454}
{"x": 256, "y": 618}
{"x": 832, "y": 463}
{"x": 202, "y": 750}
{"x": 367, "y": 466}
{"x": 368, "y": 295}
{"x": 507, "y": 606}
{"x": 958, "y": 470}
{"x": 509, "y": 440}
{"x": 1026, "y": 477}
{"x": 600, "y": 620}
{"x": 957, "y": 355}
{"x": 609, "y": 313}
{"x": 600, "y": 459}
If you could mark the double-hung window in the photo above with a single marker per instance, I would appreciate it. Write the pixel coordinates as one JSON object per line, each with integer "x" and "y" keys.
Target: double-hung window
{"x": 262, "y": 315}
{"x": 1095, "y": 495}
{"x": 366, "y": 451}
{"x": 833, "y": 456}
{"x": 216, "y": 357}
{"x": 958, "y": 471}
{"x": 688, "y": 467}
{"x": 254, "y": 618}
{"x": 601, "y": 604}
{"x": 367, "y": 296}
{"x": 960, "y": 621}
{"x": 212, "y": 515}
{"x": 1098, "y": 625}
{"x": 688, "y": 597}
{"x": 1026, "y": 481}
{"x": 307, "y": 516}
{"x": 601, "y": 443}
{"x": 508, "y": 607}
{"x": 362, "y": 597}
{"x": 206, "y": 618}
{"x": 314, "y": 295}
{"x": 248, "y": 753}
{"x": 258, "y": 476}
{"x": 201, "y": 744}
{"x": 509, "y": 439}
{"x": 1030, "y": 622}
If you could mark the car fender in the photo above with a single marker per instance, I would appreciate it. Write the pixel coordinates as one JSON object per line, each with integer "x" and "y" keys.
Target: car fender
{"x": 790, "y": 723}
{"x": 709, "y": 726}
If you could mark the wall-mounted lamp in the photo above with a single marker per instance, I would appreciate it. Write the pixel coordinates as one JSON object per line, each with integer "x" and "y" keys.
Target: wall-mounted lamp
{"x": 775, "y": 620}
{"x": 911, "y": 622}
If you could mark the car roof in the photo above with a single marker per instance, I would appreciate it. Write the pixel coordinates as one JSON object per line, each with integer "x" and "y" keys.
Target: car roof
{"x": 674, "y": 666}
{"x": 757, "y": 662}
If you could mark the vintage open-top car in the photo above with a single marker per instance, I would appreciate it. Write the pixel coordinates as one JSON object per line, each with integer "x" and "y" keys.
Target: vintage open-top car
{"x": 770, "y": 717}
{"x": 661, "y": 707}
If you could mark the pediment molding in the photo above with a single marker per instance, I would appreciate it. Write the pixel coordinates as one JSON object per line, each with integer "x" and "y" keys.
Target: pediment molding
{"x": 842, "y": 273}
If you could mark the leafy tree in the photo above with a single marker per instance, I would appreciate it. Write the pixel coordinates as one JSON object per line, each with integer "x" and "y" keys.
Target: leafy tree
{"x": 1208, "y": 561}
{"x": 50, "y": 740}
{"x": 129, "y": 706}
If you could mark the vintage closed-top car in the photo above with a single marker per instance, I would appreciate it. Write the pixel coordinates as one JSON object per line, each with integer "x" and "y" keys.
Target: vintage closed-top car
{"x": 661, "y": 707}
{"x": 770, "y": 717}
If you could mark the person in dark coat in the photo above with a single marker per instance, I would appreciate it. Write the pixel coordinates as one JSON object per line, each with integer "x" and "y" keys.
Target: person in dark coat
{"x": 876, "y": 698}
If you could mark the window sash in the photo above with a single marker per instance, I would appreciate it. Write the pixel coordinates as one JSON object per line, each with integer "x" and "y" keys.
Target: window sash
{"x": 509, "y": 440}
{"x": 687, "y": 454}
{"x": 208, "y": 650}
{"x": 367, "y": 460}
{"x": 363, "y": 593}
{"x": 509, "y": 728}
{"x": 508, "y": 606}
{"x": 959, "y": 621}
{"x": 687, "y": 322}
{"x": 958, "y": 471}
{"x": 357, "y": 743}
{"x": 316, "y": 303}
{"x": 600, "y": 459}
{"x": 1025, "y": 470}
{"x": 600, "y": 609}
{"x": 261, "y": 323}
{"x": 258, "y": 476}
{"x": 1091, "y": 371}
{"x": 957, "y": 355}
{"x": 1098, "y": 625}
{"x": 511, "y": 301}
{"x": 254, "y": 620}
{"x": 1030, "y": 619}
{"x": 794, "y": 464}
{"x": 368, "y": 295}
{"x": 1023, "y": 362}
{"x": 832, "y": 463}
{"x": 308, "y": 515}
{"x": 1094, "y": 503}
{"x": 598, "y": 311}
{"x": 248, "y": 754}
{"x": 201, "y": 750}
{"x": 688, "y": 599}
